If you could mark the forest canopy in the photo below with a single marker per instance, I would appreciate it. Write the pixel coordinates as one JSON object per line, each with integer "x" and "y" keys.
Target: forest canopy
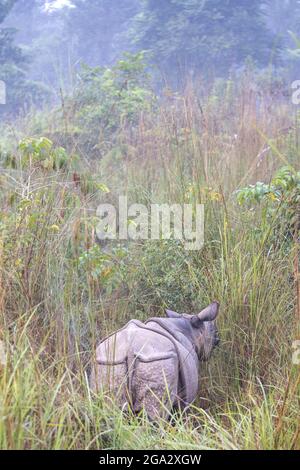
{"x": 43, "y": 43}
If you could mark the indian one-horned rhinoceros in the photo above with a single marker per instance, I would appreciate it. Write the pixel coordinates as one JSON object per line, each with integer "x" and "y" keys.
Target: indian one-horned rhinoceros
{"x": 154, "y": 365}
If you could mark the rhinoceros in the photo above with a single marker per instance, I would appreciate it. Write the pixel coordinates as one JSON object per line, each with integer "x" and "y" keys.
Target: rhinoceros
{"x": 154, "y": 365}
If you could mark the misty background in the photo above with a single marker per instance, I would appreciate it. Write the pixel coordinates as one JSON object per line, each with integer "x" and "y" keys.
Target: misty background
{"x": 43, "y": 44}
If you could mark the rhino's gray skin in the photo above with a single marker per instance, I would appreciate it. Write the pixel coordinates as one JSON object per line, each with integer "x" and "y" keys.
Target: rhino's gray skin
{"x": 154, "y": 365}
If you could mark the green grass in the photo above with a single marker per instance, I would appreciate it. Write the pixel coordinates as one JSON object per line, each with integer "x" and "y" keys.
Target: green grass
{"x": 59, "y": 295}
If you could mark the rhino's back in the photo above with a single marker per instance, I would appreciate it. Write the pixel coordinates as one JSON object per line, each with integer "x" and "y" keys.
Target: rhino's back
{"x": 136, "y": 340}
{"x": 136, "y": 365}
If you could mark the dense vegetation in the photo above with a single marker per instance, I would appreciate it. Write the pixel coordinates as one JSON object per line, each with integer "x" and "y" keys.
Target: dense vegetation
{"x": 231, "y": 143}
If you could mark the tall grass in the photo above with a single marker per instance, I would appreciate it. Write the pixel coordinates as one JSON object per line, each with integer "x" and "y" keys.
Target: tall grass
{"x": 60, "y": 291}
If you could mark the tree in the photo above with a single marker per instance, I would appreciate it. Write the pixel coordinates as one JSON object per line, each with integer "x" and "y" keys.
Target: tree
{"x": 11, "y": 57}
{"x": 216, "y": 34}
{"x": 9, "y": 53}
{"x": 105, "y": 99}
{"x": 13, "y": 64}
{"x": 40, "y": 34}
{"x": 283, "y": 16}
{"x": 283, "y": 19}
{"x": 97, "y": 29}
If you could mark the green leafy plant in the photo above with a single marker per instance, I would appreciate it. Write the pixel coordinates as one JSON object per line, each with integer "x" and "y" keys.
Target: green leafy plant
{"x": 108, "y": 98}
{"x": 281, "y": 198}
{"x": 39, "y": 153}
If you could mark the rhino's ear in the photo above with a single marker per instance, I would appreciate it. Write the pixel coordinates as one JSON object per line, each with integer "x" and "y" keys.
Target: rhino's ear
{"x": 210, "y": 313}
{"x": 171, "y": 314}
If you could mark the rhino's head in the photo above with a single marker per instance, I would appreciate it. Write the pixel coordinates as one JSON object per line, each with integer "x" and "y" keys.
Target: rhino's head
{"x": 200, "y": 328}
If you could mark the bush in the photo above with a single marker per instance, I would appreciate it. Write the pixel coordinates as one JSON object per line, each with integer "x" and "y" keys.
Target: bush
{"x": 280, "y": 202}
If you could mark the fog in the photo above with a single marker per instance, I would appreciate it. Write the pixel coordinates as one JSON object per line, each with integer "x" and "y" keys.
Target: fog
{"x": 46, "y": 42}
